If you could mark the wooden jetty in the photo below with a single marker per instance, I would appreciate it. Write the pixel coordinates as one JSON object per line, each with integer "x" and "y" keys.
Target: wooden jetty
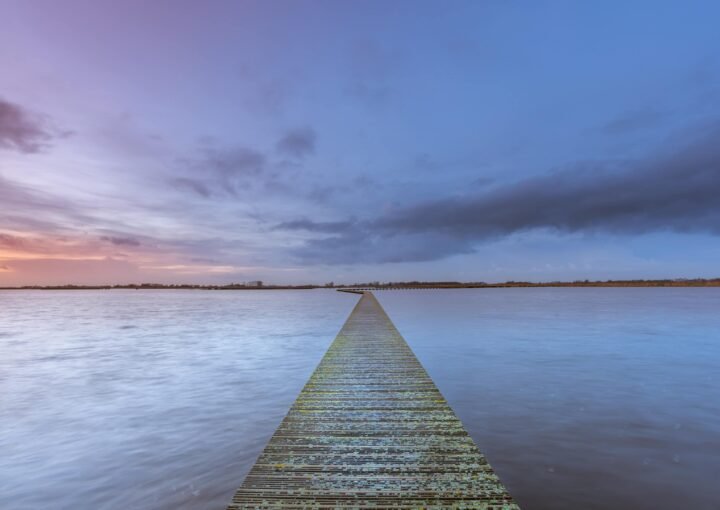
{"x": 371, "y": 430}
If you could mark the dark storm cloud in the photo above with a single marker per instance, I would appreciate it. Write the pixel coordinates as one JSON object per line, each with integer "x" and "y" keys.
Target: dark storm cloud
{"x": 677, "y": 191}
{"x": 21, "y": 130}
{"x": 674, "y": 191}
{"x": 121, "y": 241}
{"x": 297, "y": 143}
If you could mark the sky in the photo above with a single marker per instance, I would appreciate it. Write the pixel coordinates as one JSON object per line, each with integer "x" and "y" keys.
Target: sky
{"x": 317, "y": 141}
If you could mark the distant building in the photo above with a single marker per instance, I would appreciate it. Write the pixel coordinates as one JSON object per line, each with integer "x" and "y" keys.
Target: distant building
{"x": 255, "y": 283}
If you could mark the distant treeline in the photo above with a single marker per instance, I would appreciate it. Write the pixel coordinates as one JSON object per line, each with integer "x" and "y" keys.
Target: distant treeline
{"x": 679, "y": 282}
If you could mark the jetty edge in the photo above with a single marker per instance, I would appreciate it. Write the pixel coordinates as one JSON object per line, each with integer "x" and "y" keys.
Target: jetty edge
{"x": 371, "y": 430}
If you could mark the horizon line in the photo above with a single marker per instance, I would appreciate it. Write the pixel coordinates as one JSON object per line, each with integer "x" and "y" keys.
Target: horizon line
{"x": 409, "y": 284}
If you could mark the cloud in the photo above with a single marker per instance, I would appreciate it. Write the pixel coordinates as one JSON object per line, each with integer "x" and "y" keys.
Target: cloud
{"x": 21, "y": 130}
{"x": 634, "y": 121}
{"x": 221, "y": 171}
{"x": 121, "y": 241}
{"x": 482, "y": 181}
{"x": 125, "y": 135}
{"x": 670, "y": 191}
{"x": 322, "y": 193}
{"x": 8, "y": 241}
{"x": 314, "y": 226}
{"x": 362, "y": 246}
{"x": 192, "y": 185}
{"x": 675, "y": 191}
{"x": 28, "y": 209}
{"x": 371, "y": 94}
{"x": 265, "y": 94}
{"x": 54, "y": 271}
{"x": 297, "y": 143}
{"x": 4, "y": 268}
{"x": 356, "y": 241}
{"x": 268, "y": 97}
{"x": 204, "y": 260}
{"x": 371, "y": 68}
{"x": 231, "y": 163}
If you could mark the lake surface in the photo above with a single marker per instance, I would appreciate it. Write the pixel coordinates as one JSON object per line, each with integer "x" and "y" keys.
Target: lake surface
{"x": 580, "y": 398}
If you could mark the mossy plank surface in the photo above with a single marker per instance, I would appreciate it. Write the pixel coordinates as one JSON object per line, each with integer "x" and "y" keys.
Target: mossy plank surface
{"x": 371, "y": 430}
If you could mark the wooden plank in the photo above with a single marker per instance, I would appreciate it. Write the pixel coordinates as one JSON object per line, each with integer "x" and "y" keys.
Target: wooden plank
{"x": 371, "y": 430}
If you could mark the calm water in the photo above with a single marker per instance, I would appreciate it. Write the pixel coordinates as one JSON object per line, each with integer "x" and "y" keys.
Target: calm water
{"x": 580, "y": 398}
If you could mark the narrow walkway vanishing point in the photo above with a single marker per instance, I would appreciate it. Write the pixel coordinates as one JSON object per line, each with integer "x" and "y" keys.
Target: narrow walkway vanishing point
{"x": 371, "y": 430}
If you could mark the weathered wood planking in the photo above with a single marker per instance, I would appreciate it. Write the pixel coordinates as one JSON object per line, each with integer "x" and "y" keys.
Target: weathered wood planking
{"x": 371, "y": 430}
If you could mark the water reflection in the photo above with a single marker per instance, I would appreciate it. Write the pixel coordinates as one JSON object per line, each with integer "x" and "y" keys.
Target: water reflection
{"x": 148, "y": 400}
{"x": 581, "y": 398}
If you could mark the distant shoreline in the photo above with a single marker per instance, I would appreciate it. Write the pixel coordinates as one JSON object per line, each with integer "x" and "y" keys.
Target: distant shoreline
{"x": 698, "y": 282}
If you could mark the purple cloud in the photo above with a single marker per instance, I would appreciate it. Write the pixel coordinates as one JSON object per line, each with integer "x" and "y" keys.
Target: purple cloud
{"x": 21, "y": 130}
{"x": 121, "y": 241}
{"x": 297, "y": 143}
